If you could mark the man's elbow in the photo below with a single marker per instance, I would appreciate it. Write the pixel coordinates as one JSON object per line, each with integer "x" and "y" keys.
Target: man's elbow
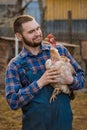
{"x": 12, "y": 103}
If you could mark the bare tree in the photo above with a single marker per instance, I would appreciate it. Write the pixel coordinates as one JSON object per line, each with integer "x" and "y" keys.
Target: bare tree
{"x": 17, "y": 10}
{"x": 21, "y": 9}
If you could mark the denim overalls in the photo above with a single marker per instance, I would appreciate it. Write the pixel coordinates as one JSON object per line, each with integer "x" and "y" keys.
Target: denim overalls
{"x": 40, "y": 114}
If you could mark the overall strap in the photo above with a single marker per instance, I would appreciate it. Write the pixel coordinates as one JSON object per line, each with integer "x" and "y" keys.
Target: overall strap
{"x": 29, "y": 74}
{"x": 23, "y": 63}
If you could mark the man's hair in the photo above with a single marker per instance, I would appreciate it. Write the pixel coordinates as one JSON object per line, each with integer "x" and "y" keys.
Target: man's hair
{"x": 19, "y": 21}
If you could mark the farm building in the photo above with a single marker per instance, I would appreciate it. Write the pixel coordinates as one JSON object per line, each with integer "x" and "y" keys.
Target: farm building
{"x": 67, "y": 17}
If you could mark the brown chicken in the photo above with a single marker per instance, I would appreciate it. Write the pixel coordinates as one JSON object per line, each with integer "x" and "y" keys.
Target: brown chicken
{"x": 61, "y": 62}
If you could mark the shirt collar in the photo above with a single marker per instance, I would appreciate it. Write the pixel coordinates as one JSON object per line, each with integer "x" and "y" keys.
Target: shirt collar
{"x": 25, "y": 52}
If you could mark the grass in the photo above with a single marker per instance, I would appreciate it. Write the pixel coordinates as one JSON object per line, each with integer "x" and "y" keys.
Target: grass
{"x": 11, "y": 120}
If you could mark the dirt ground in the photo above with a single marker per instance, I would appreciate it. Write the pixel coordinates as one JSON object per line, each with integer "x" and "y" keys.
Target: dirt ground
{"x": 11, "y": 120}
{"x": 79, "y": 108}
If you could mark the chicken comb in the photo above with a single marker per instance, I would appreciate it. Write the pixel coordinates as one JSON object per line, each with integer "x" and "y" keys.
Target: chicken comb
{"x": 51, "y": 39}
{"x": 50, "y": 35}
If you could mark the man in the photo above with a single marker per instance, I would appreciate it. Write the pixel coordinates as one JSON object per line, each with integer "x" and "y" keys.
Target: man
{"x": 28, "y": 81}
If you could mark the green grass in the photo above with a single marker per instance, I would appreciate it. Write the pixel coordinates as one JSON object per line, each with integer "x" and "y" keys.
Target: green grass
{"x": 11, "y": 120}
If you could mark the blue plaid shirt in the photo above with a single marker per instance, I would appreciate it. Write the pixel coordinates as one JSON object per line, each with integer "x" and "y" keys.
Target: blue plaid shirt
{"x": 19, "y": 92}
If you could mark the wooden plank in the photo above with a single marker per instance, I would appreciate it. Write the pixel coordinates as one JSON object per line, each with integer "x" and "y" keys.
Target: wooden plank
{"x": 58, "y": 42}
{"x": 68, "y": 44}
{"x": 84, "y": 50}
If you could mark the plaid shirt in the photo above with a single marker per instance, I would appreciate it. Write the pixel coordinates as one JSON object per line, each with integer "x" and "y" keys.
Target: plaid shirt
{"x": 19, "y": 92}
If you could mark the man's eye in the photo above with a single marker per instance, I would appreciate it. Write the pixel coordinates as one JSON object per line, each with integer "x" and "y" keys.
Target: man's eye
{"x": 31, "y": 31}
{"x": 38, "y": 28}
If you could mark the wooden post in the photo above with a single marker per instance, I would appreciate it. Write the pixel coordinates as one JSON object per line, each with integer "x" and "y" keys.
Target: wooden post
{"x": 70, "y": 26}
{"x": 16, "y": 46}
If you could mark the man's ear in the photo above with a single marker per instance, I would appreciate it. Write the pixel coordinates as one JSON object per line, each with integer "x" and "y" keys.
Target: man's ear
{"x": 19, "y": 36}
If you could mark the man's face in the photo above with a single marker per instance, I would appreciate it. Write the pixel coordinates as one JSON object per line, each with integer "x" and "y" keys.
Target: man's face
{"x": 32, "y": 34}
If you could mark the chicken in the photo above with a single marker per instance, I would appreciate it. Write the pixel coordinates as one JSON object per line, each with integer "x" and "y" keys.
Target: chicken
{"x": 61, "y": 62}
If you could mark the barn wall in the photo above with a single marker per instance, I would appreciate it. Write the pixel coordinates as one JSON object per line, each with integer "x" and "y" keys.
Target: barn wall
{"x": 57, "y": 9}
{"x": 57, "y": 19}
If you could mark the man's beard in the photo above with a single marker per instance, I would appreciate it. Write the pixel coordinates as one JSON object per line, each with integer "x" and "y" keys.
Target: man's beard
{"x": 34, "y": 44}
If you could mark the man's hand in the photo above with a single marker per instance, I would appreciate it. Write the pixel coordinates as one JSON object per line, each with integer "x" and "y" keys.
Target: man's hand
{"x": 50, "y": 76}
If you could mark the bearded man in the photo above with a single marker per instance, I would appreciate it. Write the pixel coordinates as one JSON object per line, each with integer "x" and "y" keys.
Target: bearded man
{"x": 28, "y": 81}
